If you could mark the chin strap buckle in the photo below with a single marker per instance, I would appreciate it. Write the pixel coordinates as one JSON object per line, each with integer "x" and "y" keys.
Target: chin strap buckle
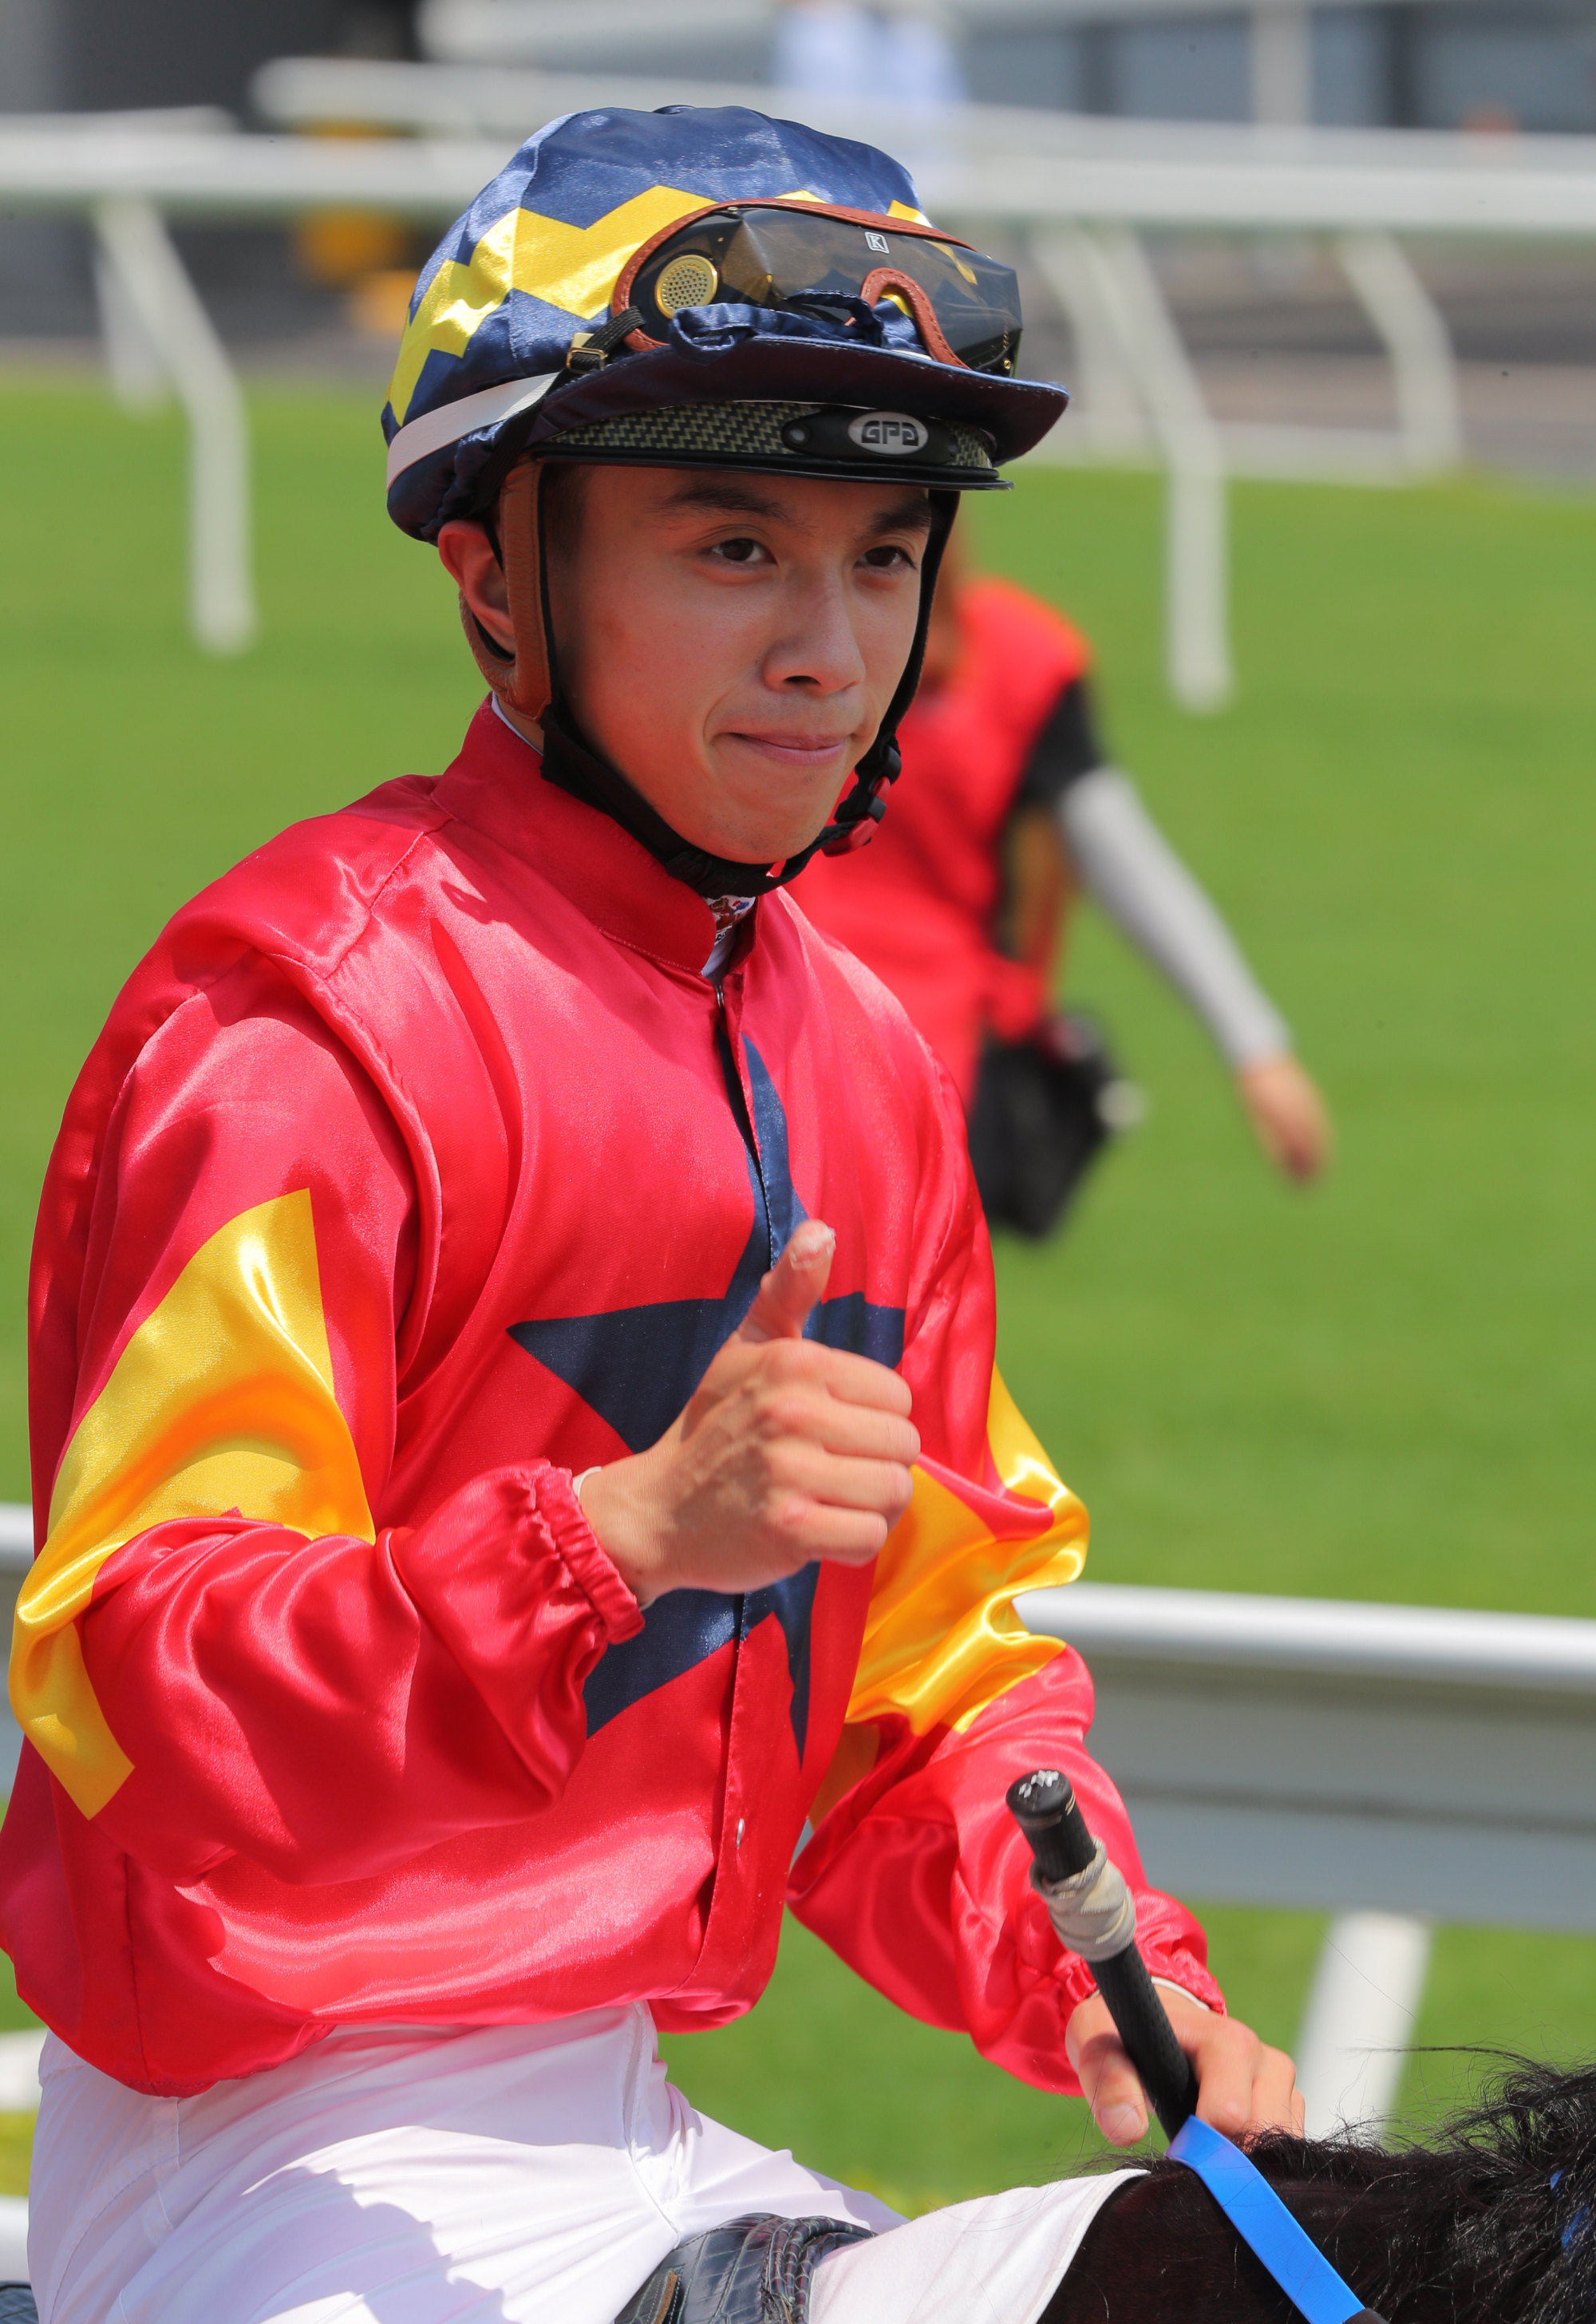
{"x": 858, "y": 817}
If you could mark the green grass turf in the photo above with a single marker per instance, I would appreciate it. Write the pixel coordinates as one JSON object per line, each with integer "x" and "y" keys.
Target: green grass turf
{"x": 1378, "y": 1389}
{"x": 16, "y": 2130}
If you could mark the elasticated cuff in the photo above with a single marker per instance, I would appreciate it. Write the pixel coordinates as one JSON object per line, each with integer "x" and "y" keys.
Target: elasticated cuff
{"x": 1176, "y": 1968}
{"x": 589, "y": 1562}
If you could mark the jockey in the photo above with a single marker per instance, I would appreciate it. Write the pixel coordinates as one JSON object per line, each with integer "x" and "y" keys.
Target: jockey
{"x": 524, "y": 1489}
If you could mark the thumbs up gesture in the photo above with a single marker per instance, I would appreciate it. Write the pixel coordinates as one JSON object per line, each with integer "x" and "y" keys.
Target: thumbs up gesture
{"x": 786, "y": 1452}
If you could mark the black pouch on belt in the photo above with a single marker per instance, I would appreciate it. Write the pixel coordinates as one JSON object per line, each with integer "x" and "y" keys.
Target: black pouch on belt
{"x": 1043, "y": 1107}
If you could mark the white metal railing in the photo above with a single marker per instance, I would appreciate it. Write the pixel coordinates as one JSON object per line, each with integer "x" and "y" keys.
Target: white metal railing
{"x": 163, "y": 328}
{"x": 1111, "y": 267}
{"x": 1140, "y": 389}
{"x": 1397, "y": 1766}
{"x": 1051, "y": 179}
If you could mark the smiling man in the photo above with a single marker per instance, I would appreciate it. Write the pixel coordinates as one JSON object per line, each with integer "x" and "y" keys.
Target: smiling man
{"x": 523, "y": 1488}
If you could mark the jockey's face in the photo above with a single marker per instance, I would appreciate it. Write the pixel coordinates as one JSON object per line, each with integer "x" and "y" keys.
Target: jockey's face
{"x": 731, "y": 642}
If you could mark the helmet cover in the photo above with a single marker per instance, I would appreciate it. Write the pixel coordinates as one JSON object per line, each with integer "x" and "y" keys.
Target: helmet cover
{"x": 485, "y": 365}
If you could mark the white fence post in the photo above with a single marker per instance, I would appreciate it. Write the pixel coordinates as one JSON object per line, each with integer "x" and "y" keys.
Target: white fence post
{"x": 1197, "y": 579}
{"x": 137, "y": 250}
{"x": 1105, "y": 414}
{"x": 1281, "y": 54}
{"x": 138, "y": 376}
{"x": 1429, "y": 416}
{"x": 1360, "y": 2019}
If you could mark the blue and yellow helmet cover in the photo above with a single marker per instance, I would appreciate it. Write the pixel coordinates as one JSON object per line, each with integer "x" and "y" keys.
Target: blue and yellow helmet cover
{"x": 535, "y": 262}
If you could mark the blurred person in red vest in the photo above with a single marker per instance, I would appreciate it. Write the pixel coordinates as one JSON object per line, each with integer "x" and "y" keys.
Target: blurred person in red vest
{"x": 1007, "y": 809}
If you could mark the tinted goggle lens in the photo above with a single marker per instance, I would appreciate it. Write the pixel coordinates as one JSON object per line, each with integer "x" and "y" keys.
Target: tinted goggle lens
{"x": 764, "y": 258}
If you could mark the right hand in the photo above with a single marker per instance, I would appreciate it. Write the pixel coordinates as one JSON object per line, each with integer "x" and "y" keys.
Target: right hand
{"x": 1244, "y": 2086}
{"x": 787, "y": 1451}
{"x": 1288, "y": 1115}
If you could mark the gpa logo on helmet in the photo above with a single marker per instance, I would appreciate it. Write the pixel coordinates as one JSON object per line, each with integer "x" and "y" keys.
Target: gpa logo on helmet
{"x": 891, "y": 432}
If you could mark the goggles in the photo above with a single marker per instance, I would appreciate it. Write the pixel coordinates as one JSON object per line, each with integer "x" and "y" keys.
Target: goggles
{"x": 966, "y": 307}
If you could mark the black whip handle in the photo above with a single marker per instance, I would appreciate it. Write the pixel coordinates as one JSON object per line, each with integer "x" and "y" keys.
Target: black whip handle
{"x": 1044, "y": 1807}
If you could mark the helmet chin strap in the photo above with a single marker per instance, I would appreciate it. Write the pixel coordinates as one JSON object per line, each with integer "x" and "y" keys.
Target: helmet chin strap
{"x": 519, "y": 678}
{"x": 527, "y": 681}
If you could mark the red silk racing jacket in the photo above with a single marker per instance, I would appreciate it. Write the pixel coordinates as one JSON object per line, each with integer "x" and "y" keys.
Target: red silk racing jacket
{"x": 417, "y": 1169}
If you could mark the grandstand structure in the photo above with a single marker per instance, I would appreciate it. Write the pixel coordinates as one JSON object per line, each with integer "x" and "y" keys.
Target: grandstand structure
{"x": 1393, "y": 63}
{"x": 1397, "y": 63}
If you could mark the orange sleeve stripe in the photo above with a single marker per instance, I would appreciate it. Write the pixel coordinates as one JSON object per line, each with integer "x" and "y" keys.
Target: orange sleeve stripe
{"x": 222, "y": 1401}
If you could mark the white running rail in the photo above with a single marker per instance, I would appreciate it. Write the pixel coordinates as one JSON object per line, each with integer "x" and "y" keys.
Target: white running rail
{"x": 998, "y": 172}
{"x": 1395, "y": 1766}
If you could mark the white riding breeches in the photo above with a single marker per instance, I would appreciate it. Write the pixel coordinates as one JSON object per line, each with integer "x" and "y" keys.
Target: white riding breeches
{"x": 517, "y": 2174}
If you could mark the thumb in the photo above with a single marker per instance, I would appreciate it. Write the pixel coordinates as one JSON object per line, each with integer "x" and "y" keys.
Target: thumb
{"x": 1118, "y": 2107}
{"x": 1109, "y": 2081}
{"x": 793, "y": 1285}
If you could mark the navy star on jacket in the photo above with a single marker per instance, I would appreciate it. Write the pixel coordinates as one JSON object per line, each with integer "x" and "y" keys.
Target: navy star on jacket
{"x": 419, "y": 1168}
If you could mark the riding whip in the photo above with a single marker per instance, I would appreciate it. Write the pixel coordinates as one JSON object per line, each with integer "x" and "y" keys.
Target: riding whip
{"x": 1094, "y": 1915}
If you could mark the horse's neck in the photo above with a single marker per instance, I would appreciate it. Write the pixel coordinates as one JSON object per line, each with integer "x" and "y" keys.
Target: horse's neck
{"x": 1163, "y": 2253}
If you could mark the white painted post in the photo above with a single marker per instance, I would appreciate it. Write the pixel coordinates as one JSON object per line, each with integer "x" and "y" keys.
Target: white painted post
{"x": 1282, "y": 59}
{"x": 1105, "y": 414}
{"x": 1361, "y": 2016}
{"x": 1387, "y": 286}
{"x": 133, "y": 360}
{"x": 136, "y": 248}
{"x": 1197, "y": 585}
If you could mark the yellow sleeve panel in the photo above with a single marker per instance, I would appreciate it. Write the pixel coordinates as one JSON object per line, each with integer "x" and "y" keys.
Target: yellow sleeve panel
{"x": 221, "y": 1402}
{"x": 942, "y": 1638}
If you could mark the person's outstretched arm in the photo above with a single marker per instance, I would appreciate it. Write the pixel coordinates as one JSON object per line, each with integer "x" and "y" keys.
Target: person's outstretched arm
{"x": 1125, "y": 862}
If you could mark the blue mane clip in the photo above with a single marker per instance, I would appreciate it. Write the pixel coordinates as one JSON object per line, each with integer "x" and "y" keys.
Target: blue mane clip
{"x": 1267, "y": 2228}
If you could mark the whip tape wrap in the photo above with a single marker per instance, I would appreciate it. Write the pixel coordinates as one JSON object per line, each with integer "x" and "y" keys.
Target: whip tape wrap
{"x": 1092, "y": 1912}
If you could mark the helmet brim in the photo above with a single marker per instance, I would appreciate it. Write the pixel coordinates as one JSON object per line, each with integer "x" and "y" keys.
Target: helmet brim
{"x": 1015, "y": 413}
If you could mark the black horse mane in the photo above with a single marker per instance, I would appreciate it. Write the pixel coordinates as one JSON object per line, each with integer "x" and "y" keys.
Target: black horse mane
{"x": 1491, "y": 2221}
{"x": 1495, "y": 2211}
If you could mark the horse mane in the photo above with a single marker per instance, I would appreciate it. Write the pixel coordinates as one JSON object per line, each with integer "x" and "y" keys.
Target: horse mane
{"x": 1492, "y": 2221}
{"x": 1494, "y": 2216}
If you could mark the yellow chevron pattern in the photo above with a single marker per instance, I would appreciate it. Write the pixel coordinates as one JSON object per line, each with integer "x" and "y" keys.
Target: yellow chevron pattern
{"x": 573, "y": 267}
